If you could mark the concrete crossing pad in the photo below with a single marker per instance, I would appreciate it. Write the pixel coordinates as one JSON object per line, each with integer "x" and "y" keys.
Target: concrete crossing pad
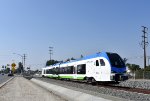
{"x": 21, "y": 89}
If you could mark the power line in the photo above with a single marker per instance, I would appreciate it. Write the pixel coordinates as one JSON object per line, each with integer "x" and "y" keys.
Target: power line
{"x": 135, "y": 57}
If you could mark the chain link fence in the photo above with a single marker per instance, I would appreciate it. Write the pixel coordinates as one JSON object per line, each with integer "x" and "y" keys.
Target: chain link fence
{"x": 140, "y": 75}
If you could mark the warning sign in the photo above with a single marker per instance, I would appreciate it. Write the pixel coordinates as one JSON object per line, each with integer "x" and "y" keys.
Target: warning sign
{"x": 13, "y": 65}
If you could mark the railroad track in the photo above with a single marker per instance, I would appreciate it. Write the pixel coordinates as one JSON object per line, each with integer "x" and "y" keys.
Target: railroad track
{"x": 129, "y": 89}
{"x": 116, "y": 87}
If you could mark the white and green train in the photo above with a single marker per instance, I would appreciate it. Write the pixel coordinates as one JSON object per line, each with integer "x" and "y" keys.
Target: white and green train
{"x": 102, "y": 66}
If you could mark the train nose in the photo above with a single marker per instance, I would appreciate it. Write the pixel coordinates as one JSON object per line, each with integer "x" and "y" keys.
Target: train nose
{"x": 120, "y": 77}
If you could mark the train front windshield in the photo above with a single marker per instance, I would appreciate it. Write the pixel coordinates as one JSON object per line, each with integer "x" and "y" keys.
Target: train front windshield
{"x": 116, "y": 60}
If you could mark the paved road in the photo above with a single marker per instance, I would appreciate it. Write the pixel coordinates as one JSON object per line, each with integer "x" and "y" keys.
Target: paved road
{"x": 4, "y": 78}
{"x": 21, "y": 89}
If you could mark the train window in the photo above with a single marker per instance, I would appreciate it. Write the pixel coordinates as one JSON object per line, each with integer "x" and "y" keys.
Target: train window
{"x": 47, "y": 71}
{"x": 97, "y": 63}
{"x": 53, "y": 71}
{"x": 69, "y": 70}
{"x": 81, "y": 69}
{"x": 61, "y": 70}
{"x": 102, "y": 62}
{"x": 57, "y": 70}
{"x": 116, "y": 60}
{"x": 50, "y": 71}
{"x": 73, "y": 70}
{"x": 65, "y": 70}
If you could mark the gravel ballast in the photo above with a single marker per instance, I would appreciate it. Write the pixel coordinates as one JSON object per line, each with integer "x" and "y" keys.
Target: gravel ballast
{"x": 143, "y": 84}
{"x": 95, "y": 90}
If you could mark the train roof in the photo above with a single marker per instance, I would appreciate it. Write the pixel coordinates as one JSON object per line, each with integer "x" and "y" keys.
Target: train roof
{"x": 99, "y": 54}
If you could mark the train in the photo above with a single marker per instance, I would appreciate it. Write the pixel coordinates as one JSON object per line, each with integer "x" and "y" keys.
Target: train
{"x": 99, "y": 67}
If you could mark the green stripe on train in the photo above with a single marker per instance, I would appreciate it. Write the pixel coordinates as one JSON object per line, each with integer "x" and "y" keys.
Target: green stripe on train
{"x": 80, "y": 78}
{"x": 50, "y": 76}
{"x": 66, "y": 77}
{"x": 55, "y": 76}
{"x": 70, "y": 77}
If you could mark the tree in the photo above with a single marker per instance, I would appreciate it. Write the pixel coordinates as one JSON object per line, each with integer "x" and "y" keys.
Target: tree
{"x": 73, "y": 58}
{"x": 20, "y": 67}
{"x": 133, "y": 67}
{"x": 36, "y": 71}
{"x": 125, "y": 60}
{"x": 7, "y": 70}
{"x": 51, "y": 62}
{"x": 67, "y": 60}
{"x": 3, "y": 66}
{"x": 147, "y": 68}
{"x": 81, "y": 56}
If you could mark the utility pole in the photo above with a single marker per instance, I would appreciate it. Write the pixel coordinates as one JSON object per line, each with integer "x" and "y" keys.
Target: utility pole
{"x": 148, "y": 60}
{"x": 24, "y": 58}
{"x": 50, "y": 52}
{"x": 144, "y": 42}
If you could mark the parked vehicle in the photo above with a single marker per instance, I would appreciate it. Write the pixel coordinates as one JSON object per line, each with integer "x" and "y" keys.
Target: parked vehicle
{"x": 10, "y": 74}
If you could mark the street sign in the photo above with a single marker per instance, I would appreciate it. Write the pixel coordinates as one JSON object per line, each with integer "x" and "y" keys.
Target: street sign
{"x": 13, "y": 65}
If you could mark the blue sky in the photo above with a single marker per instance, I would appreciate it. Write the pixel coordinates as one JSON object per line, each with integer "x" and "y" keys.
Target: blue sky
{"x": 72, "y": 27}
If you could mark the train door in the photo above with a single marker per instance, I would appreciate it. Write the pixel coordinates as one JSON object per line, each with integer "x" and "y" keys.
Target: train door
{"x": 97, "y": 72}
{"x": 89, "y": 69}
{"x": 75, "y": 72}
{"x": 104, "y": 69}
